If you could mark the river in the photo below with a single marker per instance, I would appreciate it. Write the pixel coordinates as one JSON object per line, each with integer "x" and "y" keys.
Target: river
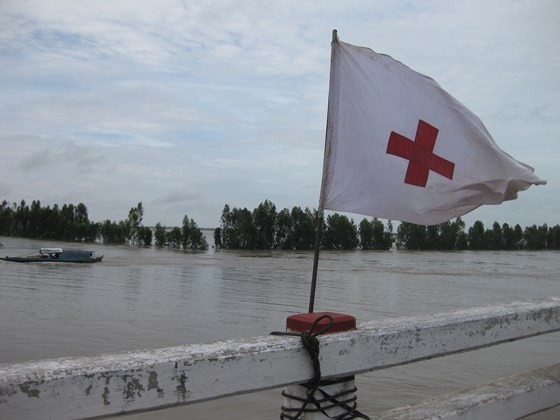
{"x": 141, "y": 298}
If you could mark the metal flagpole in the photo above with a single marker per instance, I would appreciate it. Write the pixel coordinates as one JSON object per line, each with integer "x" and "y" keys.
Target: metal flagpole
{"x": 318, "y": 232}
{"x": 320, "y": 213}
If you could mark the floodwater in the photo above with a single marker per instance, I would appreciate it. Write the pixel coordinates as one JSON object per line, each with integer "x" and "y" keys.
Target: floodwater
{"x": 141, "y": 298}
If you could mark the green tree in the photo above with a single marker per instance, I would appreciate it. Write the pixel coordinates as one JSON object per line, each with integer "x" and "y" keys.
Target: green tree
{"x": 160, "y": 235}
{"x": 451, "y": 234}
{"x": 284, "y": 226}
{"x": 83, "y": 227}
{"x": 186, "y": 233}
{"x": 365, "y": 232}
{"x": 433, "y": 237}
{"x": 145, "y": 236}
{"x": 35, "y": 228}
{"x": 198, "y": 240}
{"x": 174, "y": 237}
{"x": 462, "y": 241}
{"x": 302, "y": 235}
{"x": 54, "y": 222}
{"x": 113, "y": 232}
{"x": 518, "y": 236}
{"x": 411, "y": 236}
{"x": 388, "y": 238}
{"x": 497, "y": 237}
{"x": 264, "y": 218}
{"x": 134, "y": 223}
{"x": 340, "y": 233}
{"x": 68, "y": 222}
{"x": 91, "y": 232}
{"x": 476, "y": 236}
{"x": 535, "y": 237}
{"x": 374, "y": 235}
{"x": 383, "y": 236}
{"x": 553, "y": 238}
{"x": 230, "y": 236}
{"x": 192, "y": 236}
{"x": 6, "y": 219}
{"x": 218, "y": 237}
{"x": 21, "y": 219}
{"x": 508, "y": 239}
{"x": 246, "y": 227}
{"x": 492, "y": 238}
{"x": 238, "y": 229}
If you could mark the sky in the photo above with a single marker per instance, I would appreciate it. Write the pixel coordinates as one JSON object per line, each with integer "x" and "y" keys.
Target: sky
{"x": 188, "y": 105}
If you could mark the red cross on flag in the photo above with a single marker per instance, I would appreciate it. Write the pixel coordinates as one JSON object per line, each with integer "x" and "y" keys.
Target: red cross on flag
{"x": 400, "y": 147}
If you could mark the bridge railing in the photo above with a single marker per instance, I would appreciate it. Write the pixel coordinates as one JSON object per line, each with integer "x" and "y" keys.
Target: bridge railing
{"x": 82, "y": 387}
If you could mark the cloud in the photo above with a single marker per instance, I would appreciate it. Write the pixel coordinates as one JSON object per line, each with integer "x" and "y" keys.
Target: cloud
{"x": 187, "y": 106}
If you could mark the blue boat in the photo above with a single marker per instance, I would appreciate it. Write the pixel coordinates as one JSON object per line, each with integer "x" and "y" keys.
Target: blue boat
{"x": 57, "y": 255}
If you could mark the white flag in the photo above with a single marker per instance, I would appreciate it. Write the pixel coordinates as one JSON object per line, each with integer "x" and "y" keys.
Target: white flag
{"x": 400, "y": 147}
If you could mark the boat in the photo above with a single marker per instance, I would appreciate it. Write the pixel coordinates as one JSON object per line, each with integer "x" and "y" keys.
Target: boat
{"x": 57, "y": 255}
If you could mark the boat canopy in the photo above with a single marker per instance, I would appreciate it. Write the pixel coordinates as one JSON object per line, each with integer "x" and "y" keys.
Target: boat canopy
{"x": 51, "y": 250}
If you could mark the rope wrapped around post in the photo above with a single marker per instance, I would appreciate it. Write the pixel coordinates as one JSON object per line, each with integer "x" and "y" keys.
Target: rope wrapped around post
{"x": 316, "y": 399}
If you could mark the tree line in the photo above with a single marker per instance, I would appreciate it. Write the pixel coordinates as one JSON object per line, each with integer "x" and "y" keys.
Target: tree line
{"x": 266, "y": 228}
{"x": 453, "y": 236}
{"x": 71, "y": 223}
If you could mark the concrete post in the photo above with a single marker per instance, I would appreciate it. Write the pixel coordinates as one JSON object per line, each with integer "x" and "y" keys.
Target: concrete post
{"x": 329, "y": 398}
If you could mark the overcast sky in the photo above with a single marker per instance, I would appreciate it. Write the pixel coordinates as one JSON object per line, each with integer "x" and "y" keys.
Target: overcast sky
{"x": 189, "y": 105}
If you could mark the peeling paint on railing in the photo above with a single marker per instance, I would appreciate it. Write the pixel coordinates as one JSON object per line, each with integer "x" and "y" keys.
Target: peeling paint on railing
{"x": 144, "y": 380}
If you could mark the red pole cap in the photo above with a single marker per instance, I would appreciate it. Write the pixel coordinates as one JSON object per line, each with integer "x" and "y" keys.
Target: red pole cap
{"x": 303, "y": 322}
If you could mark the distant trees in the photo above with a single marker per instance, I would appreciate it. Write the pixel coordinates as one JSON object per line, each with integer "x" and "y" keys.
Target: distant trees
{"x": 129, "y": 231}
{"x": 174, "y": 238}
{"x": 375, "y": 235}
{"x": 113, "y": 232}
{"x": 267, "y": 228}
{"x": 237, "y": 229}
{"x": 444, "y": 236}
{"x": 511, "y": 238}
{"x": 188, "y": 236}
{"x": 476, "y": 237}
{"x": 553, "y": 237}
{"x": 411, "y": 236}
{"x": 451, "y": 236}
{"x": 71, "y": 223}
{"x": 302, "y": 232}
{"x": 535, "y": 237}
{"x": 264, "y": 217}
{"x": 134, "y": 225}
{"x": 6, "y": 219}
{"x": 339, "y": 233}
{"x": 191, "y": 236}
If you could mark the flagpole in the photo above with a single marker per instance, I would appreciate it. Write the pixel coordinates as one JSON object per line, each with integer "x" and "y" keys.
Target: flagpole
{"x": 320, "y": 213}
{"x": 318, "y": 232}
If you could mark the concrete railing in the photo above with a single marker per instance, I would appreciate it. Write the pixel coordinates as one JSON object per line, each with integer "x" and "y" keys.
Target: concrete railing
{"x": 85, "y": 387}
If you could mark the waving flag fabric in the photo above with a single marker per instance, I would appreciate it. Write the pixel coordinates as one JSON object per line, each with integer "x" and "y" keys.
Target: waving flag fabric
{"x": 400, "y": 147}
